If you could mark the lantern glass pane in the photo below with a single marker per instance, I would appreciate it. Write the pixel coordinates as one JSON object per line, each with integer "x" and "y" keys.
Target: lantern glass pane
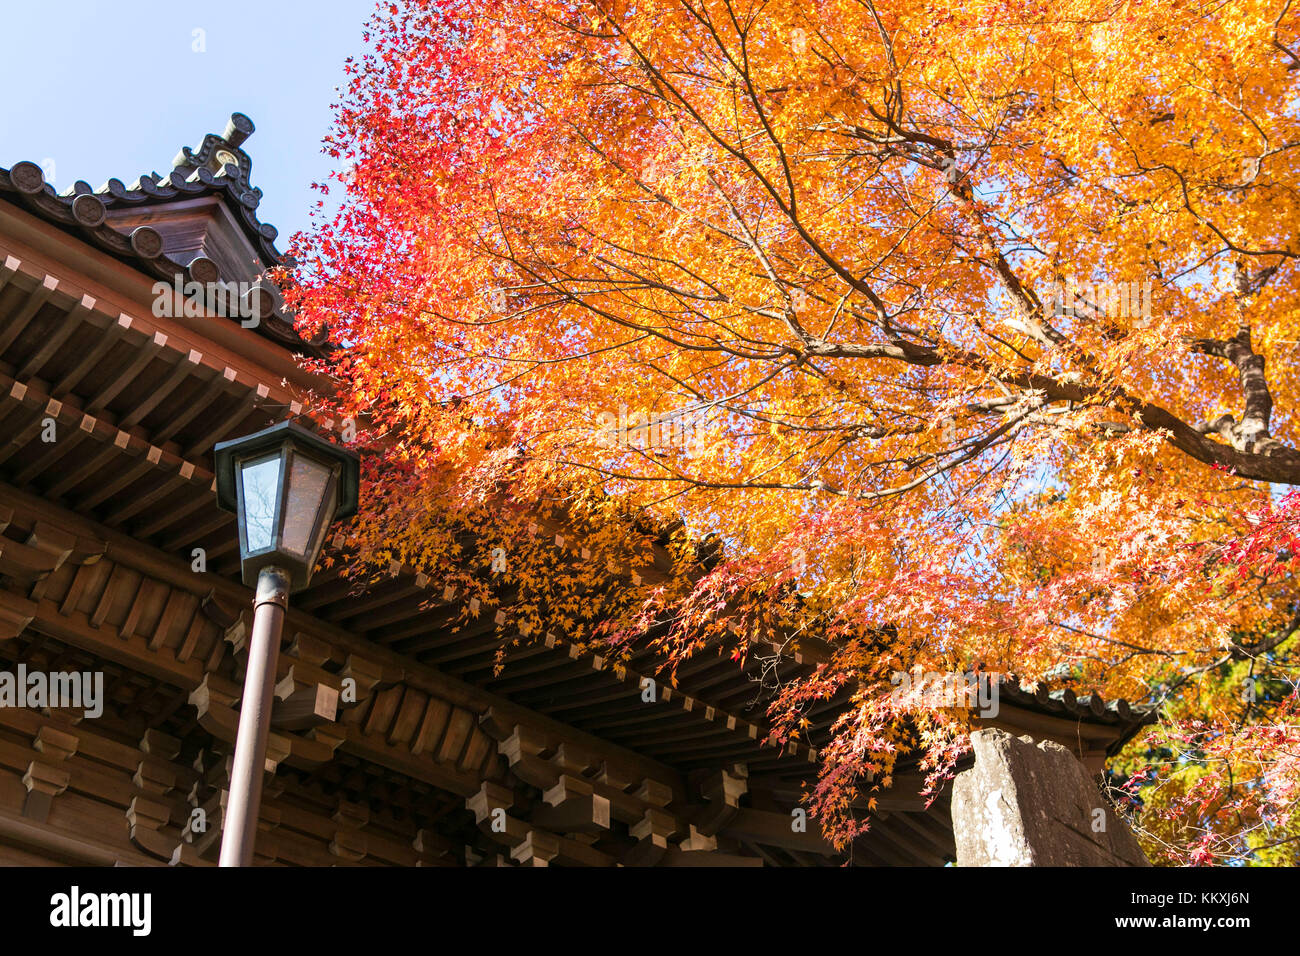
{"x": 260, "y": 486}
{"x": 331, "y": 505}
{"x": 308, "y": 482}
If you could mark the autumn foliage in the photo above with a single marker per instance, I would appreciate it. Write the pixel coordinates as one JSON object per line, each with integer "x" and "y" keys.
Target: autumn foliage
{"x": 952, "y": 335}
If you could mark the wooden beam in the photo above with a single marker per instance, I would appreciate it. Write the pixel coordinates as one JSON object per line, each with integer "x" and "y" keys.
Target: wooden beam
{"x": 774, "y": 829}
{"x": 169, "y": 570}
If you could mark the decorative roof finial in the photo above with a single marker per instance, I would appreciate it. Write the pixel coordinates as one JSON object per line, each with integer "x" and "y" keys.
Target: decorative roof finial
{"x": 238, "y": 129}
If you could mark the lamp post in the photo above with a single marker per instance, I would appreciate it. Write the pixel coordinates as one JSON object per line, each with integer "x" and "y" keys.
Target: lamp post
{"x": 286, "y": 486}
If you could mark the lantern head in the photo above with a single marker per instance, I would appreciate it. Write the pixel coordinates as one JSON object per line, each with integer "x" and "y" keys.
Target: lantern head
{"x": 286, "y": 486}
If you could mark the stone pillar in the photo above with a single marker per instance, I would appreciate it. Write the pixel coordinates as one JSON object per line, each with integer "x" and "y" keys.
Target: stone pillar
{"x": 1027, "y": 804}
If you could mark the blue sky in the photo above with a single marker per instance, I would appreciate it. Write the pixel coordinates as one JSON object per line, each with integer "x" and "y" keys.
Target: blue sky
{"x": 117, "y": 87}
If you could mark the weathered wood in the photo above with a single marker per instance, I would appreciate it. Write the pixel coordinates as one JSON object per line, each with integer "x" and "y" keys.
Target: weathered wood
{"x": 775, "y": 829}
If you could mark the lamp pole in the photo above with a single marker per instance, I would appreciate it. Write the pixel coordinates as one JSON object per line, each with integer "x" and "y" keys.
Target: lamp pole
{"x": 285, "y": 485}
{"x": 239, "y": 824}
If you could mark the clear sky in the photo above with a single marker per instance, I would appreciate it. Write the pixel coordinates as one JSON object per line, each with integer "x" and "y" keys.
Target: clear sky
{"x": 91, "y": 89}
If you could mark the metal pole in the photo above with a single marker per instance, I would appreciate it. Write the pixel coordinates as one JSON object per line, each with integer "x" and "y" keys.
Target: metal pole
{"x": 239, "y": 826}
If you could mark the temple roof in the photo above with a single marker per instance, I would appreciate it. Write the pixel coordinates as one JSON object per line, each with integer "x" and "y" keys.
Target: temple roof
{"x": 1117, "y": 717}
{"x": 1092, "y": 708}
{"x": 198, "y": 221}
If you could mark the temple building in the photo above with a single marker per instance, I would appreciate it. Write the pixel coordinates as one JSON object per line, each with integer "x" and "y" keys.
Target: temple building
{"x": 117, "y": 568}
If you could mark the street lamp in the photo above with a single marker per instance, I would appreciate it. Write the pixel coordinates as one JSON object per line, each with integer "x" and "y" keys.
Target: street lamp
{"x": 286, "y": 486}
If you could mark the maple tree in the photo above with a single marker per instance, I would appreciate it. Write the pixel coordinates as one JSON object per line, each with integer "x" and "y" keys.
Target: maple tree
{"x": 954, "y": 337}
